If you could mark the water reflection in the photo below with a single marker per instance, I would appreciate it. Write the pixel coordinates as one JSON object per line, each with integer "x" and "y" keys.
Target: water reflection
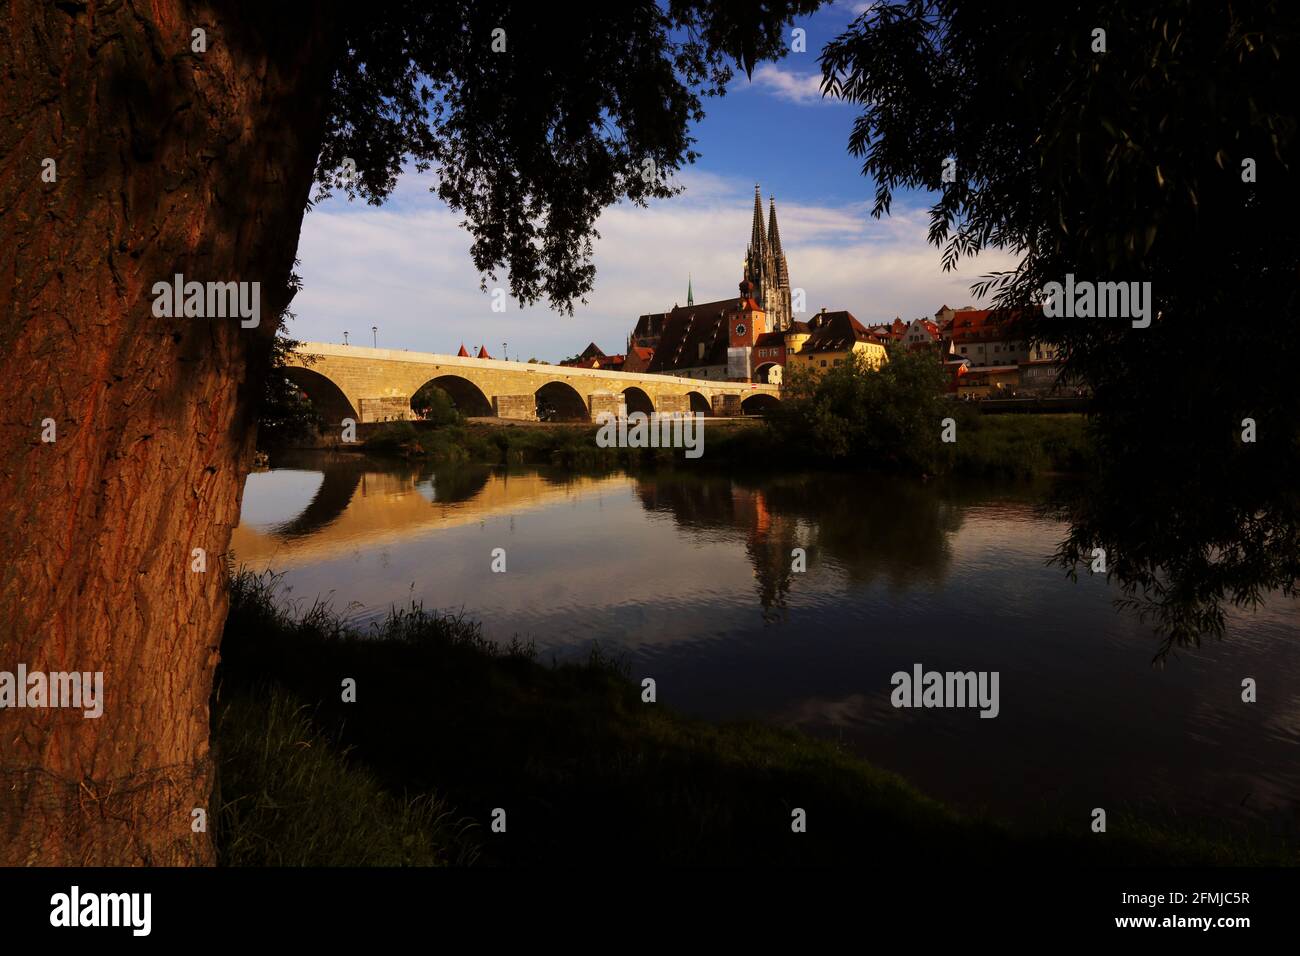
{"x": 690, "y": 576}
{"x": 866, "y": 530}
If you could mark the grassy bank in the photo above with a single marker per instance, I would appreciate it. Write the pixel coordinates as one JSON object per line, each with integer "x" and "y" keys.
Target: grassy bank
{"x": 447, "y": 727}
{"x": 994, "y": 446}
{"x": 1020, "y": 446}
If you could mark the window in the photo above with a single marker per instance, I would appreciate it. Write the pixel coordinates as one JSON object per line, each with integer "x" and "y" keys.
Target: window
{"x": 963, "y": 350}
{"x": 836, "y": 362}
{"x": 823, "y": 363}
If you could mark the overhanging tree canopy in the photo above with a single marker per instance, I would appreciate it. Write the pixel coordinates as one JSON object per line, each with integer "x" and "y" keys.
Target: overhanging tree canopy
{"x": 1122, "y": 141}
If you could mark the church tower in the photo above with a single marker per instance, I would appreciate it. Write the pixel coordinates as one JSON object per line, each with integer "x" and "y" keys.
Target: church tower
{"x": 779, "y": 305}
{"x": 766, "y": 269}
{"x": 746, "y": 323}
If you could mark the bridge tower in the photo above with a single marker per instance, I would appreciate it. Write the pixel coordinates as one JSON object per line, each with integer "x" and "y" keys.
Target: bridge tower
{"x": 745, "y": 324}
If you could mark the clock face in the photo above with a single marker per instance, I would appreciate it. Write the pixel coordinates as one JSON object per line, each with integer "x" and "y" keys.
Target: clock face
{"x": 740, "y": 329}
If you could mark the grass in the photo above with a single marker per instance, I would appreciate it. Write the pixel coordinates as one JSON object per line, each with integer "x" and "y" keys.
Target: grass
{"x": 570, "y": 446}
{"x": 293, "y": 798}
{"x": 1019, "y": 446}
{"x": 987, "y": 446}
{"x": 449, "y": 727}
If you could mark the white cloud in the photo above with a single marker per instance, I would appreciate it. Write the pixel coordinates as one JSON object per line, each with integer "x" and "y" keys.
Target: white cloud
{"x": 406, "y": 269}
{"x": 789, "y": 84}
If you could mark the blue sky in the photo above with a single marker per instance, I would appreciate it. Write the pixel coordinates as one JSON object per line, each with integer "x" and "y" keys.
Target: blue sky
{"x": 405, "y": 267}
{"x": 807, "y": 159}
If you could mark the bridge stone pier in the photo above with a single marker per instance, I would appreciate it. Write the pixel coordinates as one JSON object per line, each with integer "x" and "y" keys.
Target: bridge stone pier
{"x": 375, "y": 385}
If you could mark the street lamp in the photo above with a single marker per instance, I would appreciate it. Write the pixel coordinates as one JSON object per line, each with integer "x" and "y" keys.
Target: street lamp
{"x": 375, "y": 329}
{"x": 345, "y": 338}
{"x": 504, "y": 357}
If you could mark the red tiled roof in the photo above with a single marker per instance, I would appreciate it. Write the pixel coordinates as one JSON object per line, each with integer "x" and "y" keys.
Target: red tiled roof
{"x": 985, "y": 325}
{"x": 686, "y": 329}
{"x": 650, "y": 327}
{"x": 835, "y": 332}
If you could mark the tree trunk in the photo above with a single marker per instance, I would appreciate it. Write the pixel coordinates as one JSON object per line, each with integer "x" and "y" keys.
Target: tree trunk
{"x": 168, "y": 160}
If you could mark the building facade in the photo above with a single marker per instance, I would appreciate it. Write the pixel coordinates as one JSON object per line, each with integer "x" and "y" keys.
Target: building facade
{"x": 832, "y": 338}
{"x": 988, "y": 338}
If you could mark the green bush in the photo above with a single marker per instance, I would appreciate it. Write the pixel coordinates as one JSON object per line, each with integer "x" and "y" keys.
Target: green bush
{"x": 393, "y": 438}
{"x": 1018, "y": 446}
{"x": 887, "y": 418}
{"x": 434, "y": 405}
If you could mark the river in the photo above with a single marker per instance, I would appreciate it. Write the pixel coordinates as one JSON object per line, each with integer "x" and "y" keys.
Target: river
{"x": 689, "y": 578}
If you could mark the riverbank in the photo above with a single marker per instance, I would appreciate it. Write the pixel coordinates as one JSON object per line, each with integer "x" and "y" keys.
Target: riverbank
{"x": 447, "y": 728}
{"x": 997, "y": 446}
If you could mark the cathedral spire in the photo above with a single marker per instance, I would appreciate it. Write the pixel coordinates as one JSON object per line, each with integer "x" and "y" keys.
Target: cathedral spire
{"x": 690, "y": 294}
{"x": 774, "y": 243}
{"x": 757, "y": 241}
{"x": 773, "y": 237}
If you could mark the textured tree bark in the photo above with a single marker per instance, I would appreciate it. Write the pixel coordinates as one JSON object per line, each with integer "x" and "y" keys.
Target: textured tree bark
{"x": 168, "y": 160}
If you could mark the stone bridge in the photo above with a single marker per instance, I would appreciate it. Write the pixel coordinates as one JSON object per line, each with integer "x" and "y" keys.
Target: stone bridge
{"x": 375, "y": 385}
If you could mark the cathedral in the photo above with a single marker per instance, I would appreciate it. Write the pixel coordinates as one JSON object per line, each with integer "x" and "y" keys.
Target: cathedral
{"x": 765, "y": 268}
{"x": 720, "y": 340}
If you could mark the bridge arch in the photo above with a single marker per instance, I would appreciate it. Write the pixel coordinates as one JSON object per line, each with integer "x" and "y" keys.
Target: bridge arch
{"x": 637, "y": 400}
{"x": 769, "y": 373}
{"x": 759, "y": 403}
{"x": 326, "y": 397}
{"x": 699, "y": 404}
{"x": 339, "y": 482}
{"x": 560, "y": 402}
{"x": 468, "y": 398}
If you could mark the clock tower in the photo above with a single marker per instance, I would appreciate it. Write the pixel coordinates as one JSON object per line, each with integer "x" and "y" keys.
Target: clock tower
{"x": 745, "y": 323}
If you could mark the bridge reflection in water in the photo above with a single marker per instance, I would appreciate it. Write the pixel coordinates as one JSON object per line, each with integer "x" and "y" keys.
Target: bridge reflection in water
{"x": 358, "y": 506}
